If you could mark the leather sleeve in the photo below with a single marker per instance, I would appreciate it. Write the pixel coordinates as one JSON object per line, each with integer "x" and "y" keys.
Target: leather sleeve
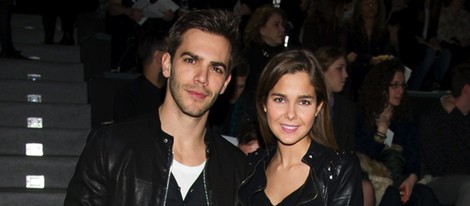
{"x": 87, "y": 186}
{"x": 346, "y": 190}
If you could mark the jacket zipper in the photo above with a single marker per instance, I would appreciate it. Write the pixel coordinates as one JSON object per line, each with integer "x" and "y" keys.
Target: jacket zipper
{"x": 249, "y": 178}
{"x": 170, "y": 160}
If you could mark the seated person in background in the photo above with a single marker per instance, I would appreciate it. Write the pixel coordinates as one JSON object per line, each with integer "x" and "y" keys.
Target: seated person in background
{"x": 146, "y": 92}
{"x": 334, "y": 66}
{"x": 263, "y": 38}
{"x": 367, "y": 40}
{"x": 453, "y": 31}
{"x": 432, "y": 55}
{"x": 323, "y": 25}
{"x": 124, "y": 24}
{"x": 444, "y": 134}
{"x": 235, "y": 110}
{"x": 386, "y": 132}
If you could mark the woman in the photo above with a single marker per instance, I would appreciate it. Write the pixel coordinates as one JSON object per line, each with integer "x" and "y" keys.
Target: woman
{"x": 334, "y": 65}
{"x": 386, "y": 132}
{"x": 367, "y": 39}
{"x": 324, "y": 25}
{"x": 300, "y": 166}
{"x": 263, "y": 38}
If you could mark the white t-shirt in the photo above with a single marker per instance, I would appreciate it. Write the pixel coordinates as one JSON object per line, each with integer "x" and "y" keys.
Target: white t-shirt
{"x": 186, "y": 175}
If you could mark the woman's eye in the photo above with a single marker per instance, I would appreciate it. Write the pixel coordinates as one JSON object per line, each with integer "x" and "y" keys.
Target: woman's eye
{"x": 305, "y": 102}
{"x": 278, "y": 100}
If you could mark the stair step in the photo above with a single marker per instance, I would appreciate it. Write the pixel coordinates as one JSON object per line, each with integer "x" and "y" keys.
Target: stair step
{"x": 19, "y": 20}
{"x": 57, "y": 53}
{"x": 43, "y": 91}
{"x": 27, "y": 34}
{"x": 33, "y": 115}
{"x": 53, "y": 142}
{"x": 47, "y": 70}
{"x": 32, "y": 197}
{"x": 63, "y": 114}
{"x": 36, "y": 172}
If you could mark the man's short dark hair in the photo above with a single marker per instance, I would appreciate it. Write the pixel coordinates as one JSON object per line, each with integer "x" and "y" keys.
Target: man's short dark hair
{"x": 149, "y": 42}
{"x": 213, "y": 21}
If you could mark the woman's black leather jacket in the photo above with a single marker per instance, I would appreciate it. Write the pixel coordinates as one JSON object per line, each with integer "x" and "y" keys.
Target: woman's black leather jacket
{"x": 335, "y": 176}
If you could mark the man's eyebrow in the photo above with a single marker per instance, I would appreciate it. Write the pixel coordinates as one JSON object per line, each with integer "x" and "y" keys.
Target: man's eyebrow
{"x": 197, "y": 57}
{"x": 192, "y": 55}
{"x": 219, "y": 64}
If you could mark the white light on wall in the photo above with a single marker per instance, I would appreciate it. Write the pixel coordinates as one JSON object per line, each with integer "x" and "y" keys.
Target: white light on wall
{"x": 34, "y": 149}
{"x": 35, "y": 181}
{"x": 277, "y": 3}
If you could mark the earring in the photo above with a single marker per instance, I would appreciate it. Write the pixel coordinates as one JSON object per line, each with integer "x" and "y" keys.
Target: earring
{"x": 264, "y": 109}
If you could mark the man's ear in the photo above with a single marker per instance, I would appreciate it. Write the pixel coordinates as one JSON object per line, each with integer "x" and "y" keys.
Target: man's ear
{"x": 166, "y": 64}
{"x": 227, "y": 80}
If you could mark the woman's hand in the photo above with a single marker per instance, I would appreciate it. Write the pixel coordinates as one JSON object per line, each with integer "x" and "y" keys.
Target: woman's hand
{"x": 383, "y": 120}
{"x": 406, "y": 187}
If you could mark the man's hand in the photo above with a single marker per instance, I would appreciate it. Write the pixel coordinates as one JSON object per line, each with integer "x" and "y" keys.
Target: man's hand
{"x": 136, "y": 14}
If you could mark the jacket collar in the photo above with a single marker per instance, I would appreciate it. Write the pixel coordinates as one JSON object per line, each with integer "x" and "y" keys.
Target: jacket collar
{"x": 167, "y": 140}
{"x": 311, "y": 188}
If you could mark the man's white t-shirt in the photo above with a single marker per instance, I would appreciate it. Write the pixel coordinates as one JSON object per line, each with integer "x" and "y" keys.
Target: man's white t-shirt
{"x": 186, "y": 175}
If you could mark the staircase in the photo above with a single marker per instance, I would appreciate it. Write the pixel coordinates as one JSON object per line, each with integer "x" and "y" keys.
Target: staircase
{"x": 45, "y": 117}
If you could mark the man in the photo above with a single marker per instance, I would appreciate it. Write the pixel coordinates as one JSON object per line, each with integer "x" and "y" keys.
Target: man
{"x": 445, "y": 140}
{"x": 170, "y": 157}
{"x": 146, "y": 92}
{"x": 125, "y": 22}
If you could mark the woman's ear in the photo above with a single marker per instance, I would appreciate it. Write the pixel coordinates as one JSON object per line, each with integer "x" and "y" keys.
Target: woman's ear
{"x": 319, "y": 108}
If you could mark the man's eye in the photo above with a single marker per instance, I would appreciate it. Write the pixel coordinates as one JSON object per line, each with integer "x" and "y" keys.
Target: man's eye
{"x": 218, "y": 70}
{"x": 190, "y": 60}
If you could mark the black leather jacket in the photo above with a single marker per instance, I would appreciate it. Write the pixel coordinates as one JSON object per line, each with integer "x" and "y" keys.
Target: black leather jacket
{"x": 335, "y": 177}
{"x": 128, "y": 164}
